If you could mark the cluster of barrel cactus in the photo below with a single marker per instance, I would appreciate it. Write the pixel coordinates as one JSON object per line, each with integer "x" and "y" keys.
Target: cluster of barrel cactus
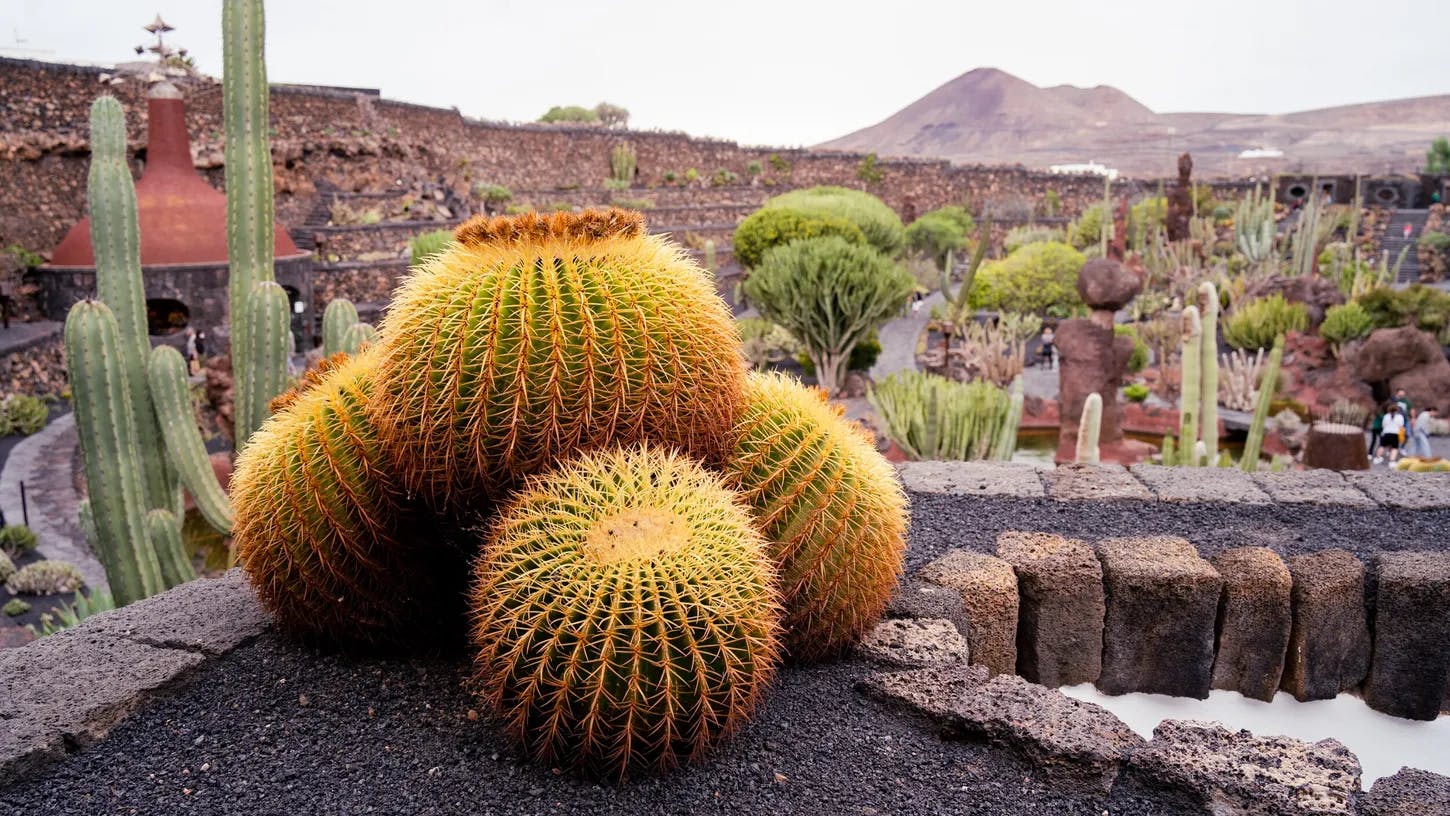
{"x": 563, "y": 399}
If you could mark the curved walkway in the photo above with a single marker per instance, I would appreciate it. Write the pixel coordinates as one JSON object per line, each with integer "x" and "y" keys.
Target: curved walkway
{"x": 42, "y": 461}
{"x": 898, "y": 339}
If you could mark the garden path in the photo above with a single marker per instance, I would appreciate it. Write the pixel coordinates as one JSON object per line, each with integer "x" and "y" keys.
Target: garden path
{"x": 43, "y": 462}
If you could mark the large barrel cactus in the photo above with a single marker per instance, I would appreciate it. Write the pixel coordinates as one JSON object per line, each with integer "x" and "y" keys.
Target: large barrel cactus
{"x": 625, "y": 614}
{"x": 320, "y": 525}
{"x": 535, "y": 336}
{"x": 830, "y": 506}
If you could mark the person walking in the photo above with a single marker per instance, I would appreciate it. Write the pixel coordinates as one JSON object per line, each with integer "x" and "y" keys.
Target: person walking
{"x": 1390, "y": 429}
{"x": 1048, "y": 350}
{"x": 1420, "y": 434}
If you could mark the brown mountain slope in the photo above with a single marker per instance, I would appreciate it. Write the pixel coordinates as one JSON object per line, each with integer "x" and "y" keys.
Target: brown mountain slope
{"x": 989, "y": 116}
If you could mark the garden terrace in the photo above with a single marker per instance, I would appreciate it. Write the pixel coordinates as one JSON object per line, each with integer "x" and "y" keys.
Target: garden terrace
{"x": 190, "y": 700}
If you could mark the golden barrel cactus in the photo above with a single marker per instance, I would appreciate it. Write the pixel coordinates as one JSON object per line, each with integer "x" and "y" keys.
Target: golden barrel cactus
{"x": 535, "y": 336}
{"x": 831, "y": 508}
{"x": 625, "y": 616}
{"x": 320, "y": 525}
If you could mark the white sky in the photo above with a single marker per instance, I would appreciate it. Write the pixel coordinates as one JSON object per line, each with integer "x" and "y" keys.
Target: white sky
{"x": 785, "y": 73}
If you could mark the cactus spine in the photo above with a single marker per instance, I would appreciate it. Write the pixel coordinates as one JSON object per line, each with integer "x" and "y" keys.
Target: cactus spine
{"x": 1267, "y": 385}
{"x": 339, "y": 316}
{"x": 172, "y": 399}
{"x": 1007, "y": 437}
{"x": 249, "y": 214}
{"x": 1192, "y": 383}
{"x": 1088, "y": 428}
{"x": 1208, "y": 415}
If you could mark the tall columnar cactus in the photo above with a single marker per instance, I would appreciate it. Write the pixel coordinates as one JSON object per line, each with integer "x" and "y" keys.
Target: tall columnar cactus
{"x": 1270, "y": 382}
{"x": 263, "y": 340}
{"x": 535, "y": 336}
{"x": 116, "y": 239}
{"x": 359, "y": 336}
{"x": 1189, "y": 402}
{"x": 1254, "y": 228}
{"x": 250, "y": 223}
{"x": 1089, "y": 426}
{"x": 1007, "y": 438}
{"x": 339, "y": 316}
{"x": 1168, "y": 453}
{"x": 1304, "y": 246}
{"x": 709, "y": 255}
{"x": 625, "y": 613}
{"x": 171, "y": 396}
{"x": 111, "y": 451}
{"x": 831, "y": 508}
{"x": 1208, "y": 415}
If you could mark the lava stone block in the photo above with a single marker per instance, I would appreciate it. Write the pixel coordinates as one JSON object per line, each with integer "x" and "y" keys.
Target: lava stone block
{"x": 1329, "y": 645}
{"x": 914, "y": 644}
{"x": 1060, "y": 620}
{"x": 920, "y": 600}
{"x": 988, "y": 588}
{"x": 1407, "y": 676}
{"x": 1162, "y": 602}
{"x": 1255, "y": 617}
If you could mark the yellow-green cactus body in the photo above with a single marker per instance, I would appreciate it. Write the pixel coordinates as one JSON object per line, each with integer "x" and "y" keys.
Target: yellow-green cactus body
{"x": 625, "y": 615}
{"x": 319, "y": 524}
{"x": 830, "y": 506}
{"x": 536, "y": 336}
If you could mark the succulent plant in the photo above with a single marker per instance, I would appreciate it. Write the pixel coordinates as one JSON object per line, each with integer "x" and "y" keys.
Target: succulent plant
{"x": 831, "y": 508}
{"x": 7, "y": 567}
{"x": 17, "y": 539}
{"x": 535, "y": 336}
{"x": 319, "y": 523}
{"x": 15, "y": 607}
{"x": 45, "y": 578}
{"x": 625, "y": 615}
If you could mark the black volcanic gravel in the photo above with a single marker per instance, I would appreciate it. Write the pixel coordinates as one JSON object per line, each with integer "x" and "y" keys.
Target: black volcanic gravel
{"x": 276, "y": 728}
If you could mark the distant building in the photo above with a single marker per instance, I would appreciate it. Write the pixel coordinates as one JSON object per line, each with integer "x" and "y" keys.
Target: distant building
{"x": 1262, "y": 153}
{"x": 1091, "y": 168}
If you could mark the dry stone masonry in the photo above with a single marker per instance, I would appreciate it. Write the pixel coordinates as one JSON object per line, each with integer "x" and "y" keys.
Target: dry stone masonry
{"x": 1254, "y": 621}
{"x": 1060, "y": 622}
{"x": 988, "y": 589}
{"x": 1329, "y": 646}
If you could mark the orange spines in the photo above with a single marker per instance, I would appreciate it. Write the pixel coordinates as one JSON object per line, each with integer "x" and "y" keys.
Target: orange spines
{"x": 535, "y": 337}
{"x": 831, "y": 508}
{"x": 625, "y": 615}
{"x": 318, "y": 515}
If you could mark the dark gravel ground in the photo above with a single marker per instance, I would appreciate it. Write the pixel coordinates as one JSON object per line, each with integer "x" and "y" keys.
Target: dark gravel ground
{"x": 275, "y": 728}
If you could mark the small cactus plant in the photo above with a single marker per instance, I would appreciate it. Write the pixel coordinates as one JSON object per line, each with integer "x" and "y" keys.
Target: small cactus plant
{"x": 831, "y": 508}
{"x": 17, "y": 539}
{"x": 625, "y": 617}
{"x": 1089, "y": 427}
{"x": 535, "y": 336}
{"x": 45, "y": 578}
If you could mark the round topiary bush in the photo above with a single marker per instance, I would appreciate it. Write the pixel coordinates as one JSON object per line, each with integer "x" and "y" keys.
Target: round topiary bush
{"x": 625, "y": 615}
{"x": 831, "y": 508}
{"x": 878, "y": 222}
{"x": 537, "y": 336}
{"x": 1039, "y": 278}
{"x": 767, "y": 228}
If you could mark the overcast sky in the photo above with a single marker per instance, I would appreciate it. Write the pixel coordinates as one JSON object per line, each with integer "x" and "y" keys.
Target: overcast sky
{"x": 778, "y": 72}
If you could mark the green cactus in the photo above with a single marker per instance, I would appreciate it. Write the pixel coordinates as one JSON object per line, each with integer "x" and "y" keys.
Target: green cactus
{"x": 1254, "y": 227}
{"x": 1208, "y": 414}
{"x": 622, "y": 162}
{"x": 163, "y": 531}
{"x": 171, "y": 397}
{"x": 339, "y": 316}
{"x": 359, "y": 335}
{"x": 1167, "y": 452}
{"x": 249, "y": 214}
{"x": 262, "y": 340}
{"x": 1267, "y": 385}
{"x": 1192, "y": 382}
{"x": 1007, "y": 437}
{"x": 710, "y": 255}
{"x": 1088, "y": 428}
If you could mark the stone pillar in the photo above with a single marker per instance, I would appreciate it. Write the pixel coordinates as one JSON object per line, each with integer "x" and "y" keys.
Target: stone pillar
{"x": 989, "y": 599}
{"x": 1329, "y": 646}
{"x": 1060, "y": 620}
{"x": 1411, "y": 663}
{"x": 1254, "y": 623}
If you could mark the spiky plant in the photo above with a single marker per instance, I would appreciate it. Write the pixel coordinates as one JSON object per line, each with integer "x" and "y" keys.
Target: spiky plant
{"x": 830, "y": 506}
{"x": 536, "y": 336}
{"x": 319, "y": 524}
{"x": 625, "y": 615}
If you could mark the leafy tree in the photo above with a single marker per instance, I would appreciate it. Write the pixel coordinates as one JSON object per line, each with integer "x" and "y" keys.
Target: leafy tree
{"x": 867, "y": 170}
{"x": 830, "y": 294}
{"x": 570, "y": 113}
{"x": 939, "y": 233}
{"x": 1036, "y": 279}
{"x": 878, "y": 222}
{"x": 1437, "y": 159}
{"x": 768, "y": 228}
{"x": 612, "y": 116}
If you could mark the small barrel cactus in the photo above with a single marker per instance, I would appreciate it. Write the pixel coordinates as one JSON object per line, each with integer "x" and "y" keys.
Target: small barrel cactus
{"x": 17, "y": 539}
{"x": 319, "y": 524}
{"x": 535, "y": 336}
{"x": 625, "y": 615}
{"x": 45, "y": 578}
{"x": 830, "y": 506}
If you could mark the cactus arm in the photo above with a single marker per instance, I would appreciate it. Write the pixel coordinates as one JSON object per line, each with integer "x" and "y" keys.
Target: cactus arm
{"x": 339, "y": 316}
{"x": 1169, "y": 457}
{"x": 357, "y": 336}
{"x": 263, "y": 340}
{"x": 1192, "y": 383}
{"x": 163, "y": 531}
{"x": 1270, "y": 382}
{"x": 169, "y": 390}
{"x": 111, "y": 456}
{"x": 1007, "y": 436}
{"x": 1088, "y": 428}
{"x": 115, "y": 237}
{"x": 1208, "y": 415}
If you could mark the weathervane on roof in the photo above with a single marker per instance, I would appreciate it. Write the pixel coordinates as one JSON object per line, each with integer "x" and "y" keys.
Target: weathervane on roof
{"x": 166, "y": 56}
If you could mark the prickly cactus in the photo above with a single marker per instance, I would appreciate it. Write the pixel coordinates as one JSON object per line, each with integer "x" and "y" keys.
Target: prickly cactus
{"x": 831, "y": 508}
{"x": 536, "y": 336}
{"x": 1089, "y": 427}
{"x": 625, "y": 615}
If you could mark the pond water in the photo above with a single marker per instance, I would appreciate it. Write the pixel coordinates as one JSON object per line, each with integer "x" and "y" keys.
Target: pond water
{"x": 1383, "y": 743}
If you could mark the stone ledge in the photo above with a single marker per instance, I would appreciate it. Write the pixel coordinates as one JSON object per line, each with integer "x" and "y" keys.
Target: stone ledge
{"x": 1073, "y": 482}
{"x": 973, "y": 478}
{"x": 68, "y": 690}
{"x": 1312, "y": 487}
{"x": 1405, "y": 491}
{"x": 1200, "y": 484}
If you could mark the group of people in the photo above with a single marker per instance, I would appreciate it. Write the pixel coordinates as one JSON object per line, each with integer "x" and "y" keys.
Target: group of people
{"x": 1400, "y": 428}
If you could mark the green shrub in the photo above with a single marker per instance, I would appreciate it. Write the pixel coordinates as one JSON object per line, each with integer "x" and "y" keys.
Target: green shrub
{"x": 1087, "y": 230}
{"x": 492, "y": 193}
{"x": 1255, "y": 324}
{"x": 753, "y": 169}
{"x": 428, "y": 244}
{"x": 765, "y": 343}
{"x": 1139, "y": 358}
{"x": 22, "y": 414}
{"x": 1424, "y": 307}
{"x": 878, "y": 222}
{"x": 1019, "y": 237}
{"x": 1136, "y": 392}
{"x": 7, "y": 567}
{"x": 15, "y": 607}
{"x": 722, "y": 177}
{"x": 17, "y": 539}
{"x": 939, "y": 233}
{"x": 772, "y": 227}
{"x": 1344, "y": 323}
{"x": 635, "y": 203}
{"x": 932, "y": 417}
{"x": 570, "y": 113}
{"x": 1037, "y": 279}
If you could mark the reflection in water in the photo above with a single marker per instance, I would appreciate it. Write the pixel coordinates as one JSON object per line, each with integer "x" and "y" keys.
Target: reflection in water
{"x": 1384, "y": 744}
